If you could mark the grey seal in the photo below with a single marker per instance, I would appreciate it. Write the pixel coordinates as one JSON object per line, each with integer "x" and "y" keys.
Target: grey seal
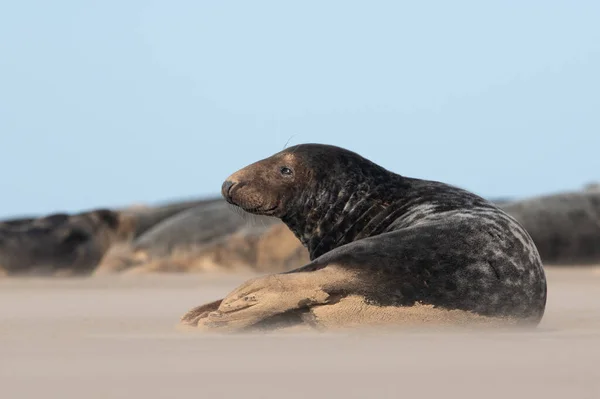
{"x": 61, "y": 243}
{"x": 394, "y": 241}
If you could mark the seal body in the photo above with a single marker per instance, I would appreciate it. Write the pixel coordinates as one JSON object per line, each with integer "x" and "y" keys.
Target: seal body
{"x": 148, "y": 217}
{"x": 393, "y": 240}
{"x": 60, "y": 243}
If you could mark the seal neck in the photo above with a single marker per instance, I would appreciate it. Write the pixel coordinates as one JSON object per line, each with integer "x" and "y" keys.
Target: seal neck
{"x": 333, "y": 213}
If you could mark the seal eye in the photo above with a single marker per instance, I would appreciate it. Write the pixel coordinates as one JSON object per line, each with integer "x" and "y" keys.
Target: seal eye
{"x": 285, "y": 171}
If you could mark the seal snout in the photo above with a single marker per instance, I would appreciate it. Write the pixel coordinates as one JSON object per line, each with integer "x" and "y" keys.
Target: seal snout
{"x": 226, "y": 189}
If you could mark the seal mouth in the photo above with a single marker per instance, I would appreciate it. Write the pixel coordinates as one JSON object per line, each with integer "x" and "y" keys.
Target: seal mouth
{"x": 260, "y": 210}
{"x": 228, "y": 190}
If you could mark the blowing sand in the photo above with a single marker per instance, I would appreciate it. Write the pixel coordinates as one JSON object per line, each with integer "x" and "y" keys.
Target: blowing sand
{"x": 116, "y": 337}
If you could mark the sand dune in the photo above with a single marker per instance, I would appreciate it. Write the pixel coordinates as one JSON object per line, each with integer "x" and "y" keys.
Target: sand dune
{"x": 117, "y": 337}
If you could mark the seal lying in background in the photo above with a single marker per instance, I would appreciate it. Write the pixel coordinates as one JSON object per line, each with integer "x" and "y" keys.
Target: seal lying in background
{"x": 60, "y": 243}
{"x": 161, "y": 231}
{"x": 209, "y": 236}
{"x": 146, "y": 217}
{"x": 565, "y": 227}
{"x": 394, "y": 242}
{"x": 75, "y": 244}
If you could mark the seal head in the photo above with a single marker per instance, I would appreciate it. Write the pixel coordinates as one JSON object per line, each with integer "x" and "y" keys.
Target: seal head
{"x": 314, "y": 187}
{"x": 268, "y": 186}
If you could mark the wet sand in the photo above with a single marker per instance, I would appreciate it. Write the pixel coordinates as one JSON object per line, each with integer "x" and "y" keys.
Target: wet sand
{"x": 116, "y": 337}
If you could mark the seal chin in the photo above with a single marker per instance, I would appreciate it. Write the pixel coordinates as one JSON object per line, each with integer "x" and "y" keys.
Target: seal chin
{"x": 272, "y": 211}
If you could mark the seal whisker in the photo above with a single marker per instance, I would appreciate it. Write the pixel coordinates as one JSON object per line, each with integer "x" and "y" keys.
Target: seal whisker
{"x": 288, "y": 141}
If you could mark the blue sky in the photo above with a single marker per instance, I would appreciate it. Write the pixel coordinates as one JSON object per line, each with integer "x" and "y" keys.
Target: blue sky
{"x": 114, "y": 102}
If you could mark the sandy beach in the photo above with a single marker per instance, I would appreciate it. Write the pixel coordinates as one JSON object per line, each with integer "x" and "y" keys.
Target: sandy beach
{"x": 117, "y": 337}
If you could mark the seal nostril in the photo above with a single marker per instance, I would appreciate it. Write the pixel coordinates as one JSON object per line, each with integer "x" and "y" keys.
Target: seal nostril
{"x": 226, "y": 188}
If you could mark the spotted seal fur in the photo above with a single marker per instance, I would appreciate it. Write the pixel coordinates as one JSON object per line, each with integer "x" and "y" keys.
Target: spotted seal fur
{"x": 392, "y": 240}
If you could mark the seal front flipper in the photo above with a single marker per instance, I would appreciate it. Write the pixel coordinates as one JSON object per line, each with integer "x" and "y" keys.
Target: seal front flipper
{"x": 194, "y": 316}
{"x": 265, "y": 297}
